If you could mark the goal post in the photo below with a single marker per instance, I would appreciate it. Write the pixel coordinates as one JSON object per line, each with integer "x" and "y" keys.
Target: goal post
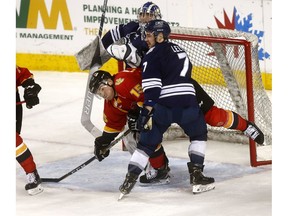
{"x": 225, "y": 63}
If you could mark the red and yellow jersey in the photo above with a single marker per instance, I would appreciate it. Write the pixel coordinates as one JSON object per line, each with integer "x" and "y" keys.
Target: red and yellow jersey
{"x": 127, "y": 84}
{"x": 22, "y": 74}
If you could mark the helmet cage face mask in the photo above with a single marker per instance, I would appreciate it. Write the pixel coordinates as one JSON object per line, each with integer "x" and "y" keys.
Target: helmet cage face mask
{"x": 150, "y": 8}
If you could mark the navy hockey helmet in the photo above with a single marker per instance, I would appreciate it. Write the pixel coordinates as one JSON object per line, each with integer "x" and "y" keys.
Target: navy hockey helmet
{"x": 150, "y": 8}
{"x": 99, "y": 77}
{"x": 158, "y": 26}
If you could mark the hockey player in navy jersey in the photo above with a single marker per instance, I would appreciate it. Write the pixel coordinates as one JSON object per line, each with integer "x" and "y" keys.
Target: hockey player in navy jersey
{"x": 126, "y": 42}
{"x": 169, "y": 97}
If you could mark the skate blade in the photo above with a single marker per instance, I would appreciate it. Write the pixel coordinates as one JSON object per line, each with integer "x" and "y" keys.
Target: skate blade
{"x": 121, "y": 196}
{"x": 35, "y": 191}
{"x": 156, "y": 182}
{"x": 196, "y": 189}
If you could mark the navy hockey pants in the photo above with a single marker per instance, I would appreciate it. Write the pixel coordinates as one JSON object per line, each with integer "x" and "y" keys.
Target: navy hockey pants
{"x": 191, "y": 120}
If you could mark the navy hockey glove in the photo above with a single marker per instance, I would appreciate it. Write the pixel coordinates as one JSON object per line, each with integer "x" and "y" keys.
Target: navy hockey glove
{"x": 132, "y": 117}
{"x": 31, "y": 90}
{"x": 145, "y": 119}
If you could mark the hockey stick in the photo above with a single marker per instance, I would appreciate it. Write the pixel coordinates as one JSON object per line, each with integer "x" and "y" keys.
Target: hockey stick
{"x": 94, "y": 59}
{"x": 87, "y": 162}
{"x": 95, "y": 65}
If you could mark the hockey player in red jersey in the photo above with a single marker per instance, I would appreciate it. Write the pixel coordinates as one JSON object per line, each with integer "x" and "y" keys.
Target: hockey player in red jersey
{"x": 121, "y": 92}
{"x": 24, "y": 157}
{"x": 123, "y": 96}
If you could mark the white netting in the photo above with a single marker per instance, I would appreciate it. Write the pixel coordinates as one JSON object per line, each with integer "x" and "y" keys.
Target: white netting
{"x": 220, "y": 67}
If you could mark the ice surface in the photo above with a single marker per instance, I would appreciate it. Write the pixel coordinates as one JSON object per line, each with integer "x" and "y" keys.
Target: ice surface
{"x": 59, "y": 143}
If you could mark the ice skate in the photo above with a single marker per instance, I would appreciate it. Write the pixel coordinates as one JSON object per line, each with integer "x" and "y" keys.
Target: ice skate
{"x": 128, "y": 184}
{"x": 155, "y": 176}
{"x": 198, "y": 181}
{"x": 34, "y": 183}
{"x": 254, "y": 133}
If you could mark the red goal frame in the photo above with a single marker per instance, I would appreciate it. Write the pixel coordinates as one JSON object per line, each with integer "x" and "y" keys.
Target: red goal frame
{"x": 249, "y": 82}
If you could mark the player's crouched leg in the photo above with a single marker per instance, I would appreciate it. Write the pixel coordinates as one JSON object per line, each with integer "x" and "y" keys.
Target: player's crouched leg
{"x": 157, "y": 170}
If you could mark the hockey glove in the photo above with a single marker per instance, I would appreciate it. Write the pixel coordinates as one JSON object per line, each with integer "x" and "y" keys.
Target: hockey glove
{"x": 132, "y": 117}
{"x": 100, "y": 150}
{"x": 31, "y": 90}
{"x": 145, "y": 120}
{"x": 125, "y": 52}
{"x": 101, "y": 144}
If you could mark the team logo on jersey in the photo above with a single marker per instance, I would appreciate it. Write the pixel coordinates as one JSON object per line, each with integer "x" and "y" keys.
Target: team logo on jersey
{"x": 117, "y": 103}
{"x": 119, "y": 81}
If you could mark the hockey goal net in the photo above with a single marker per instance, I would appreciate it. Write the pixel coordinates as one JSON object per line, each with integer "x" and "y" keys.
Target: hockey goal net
{"x": 225, "y": 63}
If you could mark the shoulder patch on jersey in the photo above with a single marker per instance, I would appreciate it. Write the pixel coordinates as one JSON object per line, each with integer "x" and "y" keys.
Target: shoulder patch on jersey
{"x": 119, "y": 81}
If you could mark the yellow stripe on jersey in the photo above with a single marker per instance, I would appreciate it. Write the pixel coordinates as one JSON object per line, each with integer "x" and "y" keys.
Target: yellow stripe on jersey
{"x": 230, "y": 119}
{"x": 111, "y": 130}
{"x": 21, "y": 149}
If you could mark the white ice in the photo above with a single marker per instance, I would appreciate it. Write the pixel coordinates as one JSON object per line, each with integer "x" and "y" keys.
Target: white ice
{"x": 59, "y": 143}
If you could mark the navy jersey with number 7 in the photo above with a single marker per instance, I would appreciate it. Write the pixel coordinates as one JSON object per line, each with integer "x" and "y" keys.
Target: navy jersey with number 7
{"x": 166, "y": 76}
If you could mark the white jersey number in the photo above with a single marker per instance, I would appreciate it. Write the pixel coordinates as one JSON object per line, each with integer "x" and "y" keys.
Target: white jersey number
{"x": 184, "y": 70}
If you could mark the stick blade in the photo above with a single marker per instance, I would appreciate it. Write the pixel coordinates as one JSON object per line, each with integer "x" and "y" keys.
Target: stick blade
{"x": 50, "y": 180}
{"x": 93, "y": 53}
